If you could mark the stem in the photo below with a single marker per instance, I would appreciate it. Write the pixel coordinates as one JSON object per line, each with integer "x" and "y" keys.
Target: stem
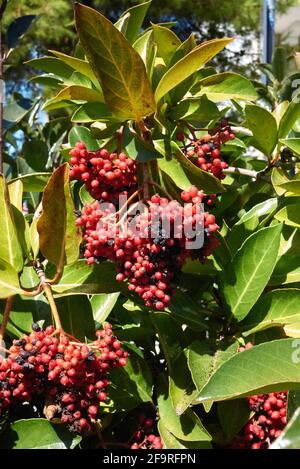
{"x": 7, "y": 310}
{"x": 3, "y": 6}
{"x": 242, "y": 130}
{"x": 49, "y": 296}
{"x": 146, "y": 136}
{"x": 247, "y": 172}
{"x": 48, "y": 293}
{"x": 145, "y": 181}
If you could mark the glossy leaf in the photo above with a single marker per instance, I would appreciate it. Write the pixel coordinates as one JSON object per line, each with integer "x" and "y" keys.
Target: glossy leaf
{"x": 76, "y": 315}
{"x": 171, "y": 442}
{"x": 289, "y": 118}
{"x": 233, "y": 415}
{"x": 10, "y": 250}
{"x": 263, "y": 126}
{"x": 136, "y": 16}
{"x": 9, "y": 281}
{"x": 17, "y": 29}
{"x": 131, "y": 385}
{"x": 224, "y": 86}
{"x": 82, "y": 134}
{"x": 198, "y": 109}
{"x": 187, "y": 426}
{"x": 102, "y": 305}
{"x": 79, "y": 65}
{"x": 40, "y": 434}
{"x": 58, "y": 235}
{"x": 52, "y": 65}
{"x": 167, "y": 42}
{"x": 91, "y": 112}
{"x": 81, "y": 278}
{"x": 293, "y": 144}
{"x": 268, "y": 367}
{"x": 246, "y": 276}
{"x": 283, "y": 184}
{"x": 36, "y": 154}
{"x": 116, "y": 64}
{"x": 276, "y": 308}
{"x": 34, "y": 182}
{"x": 78, "y": 93}
{"x": 189, "y": 64}
{"x": 204, "y": 358}
{"x": 290, "y": 215}
{"x": 146, "y": 48}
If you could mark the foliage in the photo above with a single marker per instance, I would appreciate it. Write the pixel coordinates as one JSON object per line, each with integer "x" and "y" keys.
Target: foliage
{"x": 186, "y": 370}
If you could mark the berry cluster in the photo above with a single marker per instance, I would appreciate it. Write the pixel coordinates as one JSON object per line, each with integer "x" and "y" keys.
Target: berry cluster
{"x": 205, "y": 152}
{"x": 105, "y": 175}
{"x": 149, "y": 249}
{"x": 268, "y": 421}
{"x": 72, "y": 376}
{"x": 144, "y": 437}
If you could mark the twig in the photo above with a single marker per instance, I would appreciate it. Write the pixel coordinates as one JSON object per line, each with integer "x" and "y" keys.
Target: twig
{"x": 248, "y": 172}
{"x": 7, "y": 310}
{"x": 119, "y": 139}
{"x": 48, "y": 293}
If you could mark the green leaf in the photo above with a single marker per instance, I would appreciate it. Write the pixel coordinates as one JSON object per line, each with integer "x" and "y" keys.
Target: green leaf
{"x": 79, "y": 65}
{"x": 34, "y": 182}
{"x": 293, "y": 403}
{"x": 187, "y": 427}
{"x": 233, "y": 415}
{"x": 182, "y": 171}
{"x": 285, "y": 185}
{"x": 82, "y": 134}
{"x": 51, "y": 65}
{"x": 14, "y": 112}
{"x": 146, "y": 48}
{"x": 189, "y": 64}
{"x": 181, "y": 387}
{"x": 59, "y": 238}
{"x": 26, "y": 311}
{"x": 40, "y": 434}
{"x": 81, "y": 278}
{"x": 137, "y": 15}
{"x": 245, "y": 278}
{"x": 76, "y": 315}
{"x": 289, "y": 118}
{"x": 78, "y": 93}
{"x": 279, "y": 63}
{"x": 290, "y": 215}
{"x": 117, "y": 65}
{"x": 17, "y": 29}
{"x": 102, "y": 305}
{"x": 276, "y": 308}
{"x": 263, "y": 126}
{"x": 198, "y": 109}
{"x": 171, "y": 442}
{"x": 228, "y": 85}
{"x": 91, "y": 112}
{"x": 205, "y": 357}
{"x": 292, "y": 143}
{"x": 15, "y": 190}
{"x": 290, "y": 437}
{"x": 9, "y": 281}
{"x": 187, "y": 311}
{"x": 167, "y": 42}
{"x": 36, "y": 154}
{"x": 10, "y": 249}
{"x": 268, "y": 367}
{"x": 131, "y": 385}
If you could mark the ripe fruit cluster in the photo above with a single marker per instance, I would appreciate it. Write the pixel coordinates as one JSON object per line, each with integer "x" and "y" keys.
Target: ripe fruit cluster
{"x": 144, "y": 437}
{"x": 72, "y": 377}
{"x": 144, "y": 253}
{"x": 205, "y": 152}
{"x": 105, "y": 175}
{"x": 268, "y": 421}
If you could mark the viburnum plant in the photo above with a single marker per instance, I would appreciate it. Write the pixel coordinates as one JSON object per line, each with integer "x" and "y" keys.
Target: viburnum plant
{"x": 149, "y": 270}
